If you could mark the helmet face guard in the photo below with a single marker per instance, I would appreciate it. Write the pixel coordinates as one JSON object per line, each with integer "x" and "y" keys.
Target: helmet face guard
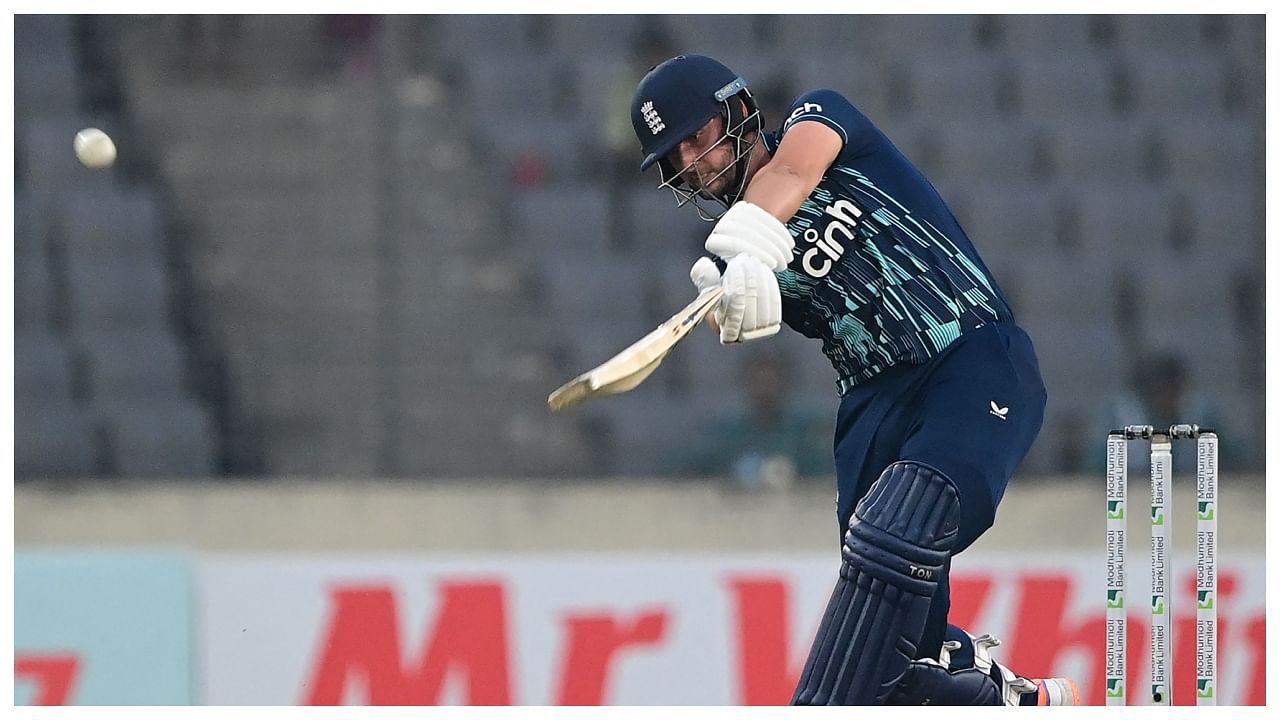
{"x": 738, "y": 127}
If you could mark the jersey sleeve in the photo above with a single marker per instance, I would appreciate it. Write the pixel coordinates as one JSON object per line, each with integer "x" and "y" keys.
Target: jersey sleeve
{"x": 832, "y": 109}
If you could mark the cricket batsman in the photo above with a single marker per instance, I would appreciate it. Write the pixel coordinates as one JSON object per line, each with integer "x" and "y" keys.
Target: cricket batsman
{"x": 823, "y": 224}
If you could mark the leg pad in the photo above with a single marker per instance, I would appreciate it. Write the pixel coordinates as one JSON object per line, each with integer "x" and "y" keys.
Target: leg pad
{"x": 895, "y": 549}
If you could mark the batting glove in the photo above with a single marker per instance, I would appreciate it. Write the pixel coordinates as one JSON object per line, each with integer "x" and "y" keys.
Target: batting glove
{"x": 748, "y": 229}
{"x": 752, "y": 304}
{"x": 705, "y": 275}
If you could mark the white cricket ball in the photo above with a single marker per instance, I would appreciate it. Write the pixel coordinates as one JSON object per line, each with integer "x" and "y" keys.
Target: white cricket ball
{"x": 95, "y": 149}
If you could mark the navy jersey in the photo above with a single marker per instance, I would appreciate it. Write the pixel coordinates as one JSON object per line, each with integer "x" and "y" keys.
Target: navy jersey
{"x": 882, "y": 272}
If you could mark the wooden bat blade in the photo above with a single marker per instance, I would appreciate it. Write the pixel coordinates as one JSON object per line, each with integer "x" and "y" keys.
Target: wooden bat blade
{"x": 626, "y": 370}
{"x": 585, "y": 386}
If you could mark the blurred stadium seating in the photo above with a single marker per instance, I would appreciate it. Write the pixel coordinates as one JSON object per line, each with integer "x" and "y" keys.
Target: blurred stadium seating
{"x": 306, "y": 266}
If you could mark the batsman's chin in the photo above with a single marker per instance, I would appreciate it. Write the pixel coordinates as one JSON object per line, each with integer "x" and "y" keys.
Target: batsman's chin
{"x": 715, "y": 192}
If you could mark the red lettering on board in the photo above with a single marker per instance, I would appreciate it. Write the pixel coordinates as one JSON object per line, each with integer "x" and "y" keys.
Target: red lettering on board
{"x": 53, "y": 673}
{"x": 595, "y": 642}
{"x": 766, "y": 675}
{"x": 362, "y": 645}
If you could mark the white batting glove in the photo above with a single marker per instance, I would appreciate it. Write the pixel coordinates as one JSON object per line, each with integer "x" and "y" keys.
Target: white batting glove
{"x": 752, "y": 301}
{"x": 705, "y": 275}
{"x": 748, "y": 229}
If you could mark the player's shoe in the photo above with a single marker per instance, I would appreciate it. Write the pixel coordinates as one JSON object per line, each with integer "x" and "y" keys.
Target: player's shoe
{"x": 966, "y": 674}
{"x": 1056, "y": 691}
{"x": 1015, "y": 689}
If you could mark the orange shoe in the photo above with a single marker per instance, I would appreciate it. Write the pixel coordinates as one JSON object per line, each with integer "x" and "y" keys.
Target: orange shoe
{"x": 1057, "y": 691}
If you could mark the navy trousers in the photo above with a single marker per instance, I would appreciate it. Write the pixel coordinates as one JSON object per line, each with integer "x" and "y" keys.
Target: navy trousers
{"x": 971, "y": 412}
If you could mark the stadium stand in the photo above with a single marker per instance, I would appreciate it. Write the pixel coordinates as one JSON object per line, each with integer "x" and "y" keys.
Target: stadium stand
{"x": 393, "y": 268}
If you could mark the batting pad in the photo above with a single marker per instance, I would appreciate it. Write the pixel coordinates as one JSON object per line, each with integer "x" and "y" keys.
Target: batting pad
{"x": 894, "y": 552}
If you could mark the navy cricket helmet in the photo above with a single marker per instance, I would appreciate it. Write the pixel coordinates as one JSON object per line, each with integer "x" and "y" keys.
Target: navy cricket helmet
{"x": 673, "y": 101}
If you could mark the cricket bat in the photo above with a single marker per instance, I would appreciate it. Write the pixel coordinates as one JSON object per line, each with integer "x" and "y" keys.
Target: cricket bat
{"x": 629, "y": 368}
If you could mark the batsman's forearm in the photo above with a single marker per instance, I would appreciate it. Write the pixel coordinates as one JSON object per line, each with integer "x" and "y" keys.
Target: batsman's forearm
{"x": 779, "y": 190}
